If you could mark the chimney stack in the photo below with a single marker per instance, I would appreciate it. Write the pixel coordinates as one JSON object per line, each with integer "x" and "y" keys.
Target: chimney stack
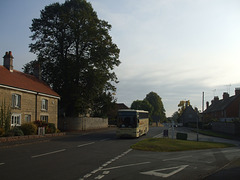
{"x": 8, "y": 61}
{"x": 37, "y": 71}
{"x": 237, "y": 91}
{"x": 216, "y": 99}
{"x": 225, "y": 95}
{"x": 207, "y": 104}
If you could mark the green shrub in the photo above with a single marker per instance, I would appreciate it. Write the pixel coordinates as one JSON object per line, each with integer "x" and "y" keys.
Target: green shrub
{"x": 51, "y": 128}
{"x": 182, "y": 136}
{"x": 29, "y": 128}
{"x": 15, "y": 132}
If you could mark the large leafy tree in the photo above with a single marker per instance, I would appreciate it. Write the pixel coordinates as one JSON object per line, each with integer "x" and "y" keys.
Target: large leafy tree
{"x": 142, "y": 105}
{"x": 158, "y": 112}
{"x": 76, "y": 55}
{"x": 153, "y": 104}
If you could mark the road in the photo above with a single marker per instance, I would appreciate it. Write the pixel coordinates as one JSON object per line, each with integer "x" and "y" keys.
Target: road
{"x": 100, "y": 155}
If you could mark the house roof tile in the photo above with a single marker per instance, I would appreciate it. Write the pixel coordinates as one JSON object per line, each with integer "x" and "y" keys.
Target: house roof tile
{"x": 20, "y": 80}
{"x": 220, "y": 104}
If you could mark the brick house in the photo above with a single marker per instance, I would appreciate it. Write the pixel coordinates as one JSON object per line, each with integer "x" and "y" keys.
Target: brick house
{"x": 228, "y": 108}
{"x": 30, "y": 98}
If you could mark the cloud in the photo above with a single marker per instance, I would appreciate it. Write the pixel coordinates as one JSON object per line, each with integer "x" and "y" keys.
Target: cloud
{"x": 177, "y": 49}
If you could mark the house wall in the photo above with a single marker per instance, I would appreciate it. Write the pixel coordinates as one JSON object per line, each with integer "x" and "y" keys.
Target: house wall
{"x": 214, "y": 115}
{"x": 228, "y": 128}
{"x": 233, "y": 109}
{"x": 29, "y": 104}
{"x": 189, "y": 116}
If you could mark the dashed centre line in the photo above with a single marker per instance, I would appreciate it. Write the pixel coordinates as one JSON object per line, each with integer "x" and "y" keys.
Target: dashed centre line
{"x": 45, "y": 154}
{"x": 182, "y": 157}
{"x": 117, "y": 167}
{"x": 81, "y": 145}
{"x": 2, "y": 164}
{"x": 105, "y": 172}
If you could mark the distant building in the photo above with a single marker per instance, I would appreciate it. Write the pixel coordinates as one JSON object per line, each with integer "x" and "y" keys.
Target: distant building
{"x": 228, "y": 108}
{"x": 189, "y": 116}
{"x": 28, "y": 96}
{"x": 112, "y": 114}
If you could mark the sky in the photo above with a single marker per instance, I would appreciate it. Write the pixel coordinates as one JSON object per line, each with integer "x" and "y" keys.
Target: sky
{"x": 176, "y": 48}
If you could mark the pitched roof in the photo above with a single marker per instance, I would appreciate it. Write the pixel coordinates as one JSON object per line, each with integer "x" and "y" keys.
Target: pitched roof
{"x": 20, "y": 80}
{"x": 220, "y": 105}
{"x": 121, "y": 106}
{"x": 188, "y": 110}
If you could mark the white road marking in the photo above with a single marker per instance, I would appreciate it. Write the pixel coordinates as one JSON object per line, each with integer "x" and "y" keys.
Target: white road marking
{"x": 2, "y": 164}
{"x": 182, "y": 157}
{"x": 117, "y": 167}
{"x": 164, "y": 175}
{"x": 106, "y": 172}
{"x": 45, "y": 154}
{"x": 99, "y": 177}
{"x": 105, "y": 164}
{"x": 96, "y": 170}
{"x": 87, "y": 175}
{"x": 81, "y": 145}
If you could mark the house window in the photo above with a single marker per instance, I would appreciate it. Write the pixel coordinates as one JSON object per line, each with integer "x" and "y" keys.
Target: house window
{"x": 45, "y": 104}
{"x": 16, "y": 120}
{"x": 44, "y": 118}
{"x": 27, "y": 118}
{"x": 16, "y": 101}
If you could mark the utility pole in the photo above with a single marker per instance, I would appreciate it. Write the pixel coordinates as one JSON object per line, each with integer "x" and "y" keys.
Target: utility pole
{"x": 202, "y": 115}
{"x": 202, "y": 102}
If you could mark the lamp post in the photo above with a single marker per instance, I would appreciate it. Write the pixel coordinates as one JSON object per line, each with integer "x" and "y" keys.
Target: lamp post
{"x": 197, "y": 129}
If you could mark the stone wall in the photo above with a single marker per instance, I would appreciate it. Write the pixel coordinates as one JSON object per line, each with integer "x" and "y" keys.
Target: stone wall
{"x": 82, "y": 123}
{"x": 28, "y": 137}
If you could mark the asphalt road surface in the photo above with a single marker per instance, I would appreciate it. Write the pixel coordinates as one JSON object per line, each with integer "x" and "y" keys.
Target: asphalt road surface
{"x": 100, "y": 155}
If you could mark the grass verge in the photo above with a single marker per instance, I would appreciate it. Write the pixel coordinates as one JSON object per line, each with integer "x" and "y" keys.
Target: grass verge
{"x": 214, "y": 134}
{"x": 170, "y": 145}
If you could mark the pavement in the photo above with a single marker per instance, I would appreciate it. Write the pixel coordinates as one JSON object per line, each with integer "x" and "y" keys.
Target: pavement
{"x": 230, "y": 171}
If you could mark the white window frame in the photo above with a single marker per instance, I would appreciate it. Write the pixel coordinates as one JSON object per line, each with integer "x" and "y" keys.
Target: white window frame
{"x": 16, "y": 101}
{"x": 16, "y": 119}
{"x": 44, "y": 105}
{"x": 44, "y": 118}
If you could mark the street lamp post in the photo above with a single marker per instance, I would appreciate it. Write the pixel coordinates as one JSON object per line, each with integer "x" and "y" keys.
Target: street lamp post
{"x": 197, "y": 129}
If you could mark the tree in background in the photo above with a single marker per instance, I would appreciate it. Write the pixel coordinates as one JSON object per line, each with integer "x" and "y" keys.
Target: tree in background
{"x": 76, "y": 55}
{"x": 153, "y": 104}
{"x": 158, "y": 112}
{"x": 142, "y": 105}
{"x": 175, "y": 116}
{"x": 182, "y": 106}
